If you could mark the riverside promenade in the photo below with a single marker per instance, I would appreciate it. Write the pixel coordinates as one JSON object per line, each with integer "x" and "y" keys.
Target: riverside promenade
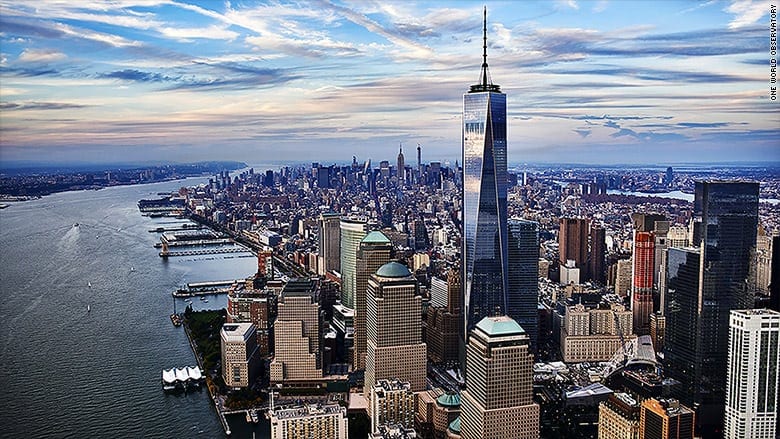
{"x": 212, "y": 389}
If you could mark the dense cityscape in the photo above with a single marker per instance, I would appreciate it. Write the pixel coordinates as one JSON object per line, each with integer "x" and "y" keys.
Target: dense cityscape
{"x": 403, "y": 295}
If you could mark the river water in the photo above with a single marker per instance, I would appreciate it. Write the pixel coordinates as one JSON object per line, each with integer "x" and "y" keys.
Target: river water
{"x": 66, "y": 372}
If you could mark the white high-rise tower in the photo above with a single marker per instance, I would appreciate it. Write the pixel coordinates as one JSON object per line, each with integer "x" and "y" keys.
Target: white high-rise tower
{"x": 752, "y": 375}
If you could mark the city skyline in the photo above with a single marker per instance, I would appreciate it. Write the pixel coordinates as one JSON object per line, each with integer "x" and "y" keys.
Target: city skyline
{"x": 592, "y": 82}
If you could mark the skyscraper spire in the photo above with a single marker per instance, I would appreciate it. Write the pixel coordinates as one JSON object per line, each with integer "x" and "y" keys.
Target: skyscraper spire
{"x": 485, "y": 83}
{"x": 484, "y": 48}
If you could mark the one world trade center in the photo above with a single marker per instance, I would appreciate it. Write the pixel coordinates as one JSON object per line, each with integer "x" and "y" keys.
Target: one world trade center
{"x": 485, "y": 243}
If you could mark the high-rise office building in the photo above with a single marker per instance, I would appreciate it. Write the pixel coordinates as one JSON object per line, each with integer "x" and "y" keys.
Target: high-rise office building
{"x": 329, "y": 242}
{"x": 419, "y": 162}
{"x": 644, "y": 269}
{"x": 703, "y": 286}
{"x": 373, "y": 252}
{"x": 394, "y": 335}
{"x": 297, "y": 337}
{"x": 248, "y": 305}
{"x": 623, "y": 278}
{"x": 573, "y": 244}
{"x": 352, "y": 232}
{"x": 661, "y": 236}
{"x": 401, "y": 167}
{"x": 498, "y": 400}
{"x": 310, "y": 422}
{"x": 392, "y": 403}
{"x": 658, "y": 330}
{"x": 598, "y": 254}
{"x": 752, "y": 374}
{"x": 444, "y": 323}
{"x": 682, "y": 360}
{"x": 239, "y": 354}
{"x": 523, "y": 293}
{"x": 619, "y": 417}
{"x": 774, "y": 276}
{"x": 665, "y": 419}
{"x": 485, "y": 240}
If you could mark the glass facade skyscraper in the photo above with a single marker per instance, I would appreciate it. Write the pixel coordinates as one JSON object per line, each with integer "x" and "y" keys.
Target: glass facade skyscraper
{"x": 523, "y": 296}
{"x": 719, "y": 276}
{"x": 485, "y": 252}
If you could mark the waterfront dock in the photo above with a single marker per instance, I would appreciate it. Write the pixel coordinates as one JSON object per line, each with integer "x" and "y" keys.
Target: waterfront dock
{"x": 205, "y": 288}
{"x": 199, "y": 242}
{"x": 212, "y": 251}
{"x": 176, "y": 229}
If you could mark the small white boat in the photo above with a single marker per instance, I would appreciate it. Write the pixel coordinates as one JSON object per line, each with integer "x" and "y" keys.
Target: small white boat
{"x": 88, "y": 308}
{"x": 206, "y": 301}
{"x": 89, "y": 284}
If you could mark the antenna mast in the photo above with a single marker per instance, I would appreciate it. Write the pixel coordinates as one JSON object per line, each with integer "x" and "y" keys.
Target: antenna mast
{"x": 484, "y": 47}
{"x": 485, "y": 84}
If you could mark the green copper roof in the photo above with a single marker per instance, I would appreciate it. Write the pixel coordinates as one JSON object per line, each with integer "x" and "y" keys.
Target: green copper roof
{"x": 501, "y": 325}
{"x": 376, "y": 238}
{"x": 393, "y": 269}
{"x": 448, "y": 400}
{"x": 455, "y": 425}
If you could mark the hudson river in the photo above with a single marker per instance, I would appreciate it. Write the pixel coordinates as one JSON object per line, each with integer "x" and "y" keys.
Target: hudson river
{"x": 66, "y": 372}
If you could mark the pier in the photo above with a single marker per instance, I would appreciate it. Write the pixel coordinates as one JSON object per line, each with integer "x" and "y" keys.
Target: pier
{"x": 211, "y": 251}
{"x": 176, "y": 229}
{"x": 193, "y": 243}
{"x": 205, "y": 288}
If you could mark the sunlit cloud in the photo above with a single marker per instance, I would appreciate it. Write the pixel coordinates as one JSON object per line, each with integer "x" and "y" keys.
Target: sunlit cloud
{"x": 41, "y": 55}
{"x": 746, "y": 12}
{"x": 235, "y": 79}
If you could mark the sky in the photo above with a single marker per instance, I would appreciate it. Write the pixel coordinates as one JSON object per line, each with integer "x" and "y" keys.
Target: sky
{"x": 604, "y": 82}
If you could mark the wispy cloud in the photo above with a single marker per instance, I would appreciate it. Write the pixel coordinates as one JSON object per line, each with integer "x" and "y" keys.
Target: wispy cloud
{"x": 41, "y": 55}
{"x": 19, "y": 106}
{"x": 746, "y": 12}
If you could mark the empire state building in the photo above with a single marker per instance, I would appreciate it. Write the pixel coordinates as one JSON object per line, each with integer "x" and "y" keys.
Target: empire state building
{"x": 485, "y": 252}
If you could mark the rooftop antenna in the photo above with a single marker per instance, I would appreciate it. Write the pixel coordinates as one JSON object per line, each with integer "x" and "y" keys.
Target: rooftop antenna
{"x": 485, "y": 84}
{"x": 484, "y": 47}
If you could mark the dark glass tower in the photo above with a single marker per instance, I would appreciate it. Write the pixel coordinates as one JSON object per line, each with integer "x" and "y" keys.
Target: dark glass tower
{"x": 725, "y": 224}
{"x": 523, "y": 296}
{"x": 484, "y": 198}
{"x": 681, "y": 352}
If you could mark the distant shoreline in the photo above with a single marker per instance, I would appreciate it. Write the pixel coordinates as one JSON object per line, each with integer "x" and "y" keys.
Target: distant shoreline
{"x": 36, "y": 185}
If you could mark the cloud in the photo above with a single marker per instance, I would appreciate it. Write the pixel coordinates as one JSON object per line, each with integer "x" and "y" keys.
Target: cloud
{"x": 570, "y": 4}
{"x": 18, "y": 106}
{"x": 29, "y": 72}
{"x": 136, "y": 75}
{"x": 746, "y": 12}
{"x": 600, "y": 6}
{"x": 583, "y": 132}
{"x": 648, "y": 74}
{"x": 410, "y": 49}
{"x": 41, "y": 55}
{"x": 231, "y": 76}
{"x": 212, "y": 32}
